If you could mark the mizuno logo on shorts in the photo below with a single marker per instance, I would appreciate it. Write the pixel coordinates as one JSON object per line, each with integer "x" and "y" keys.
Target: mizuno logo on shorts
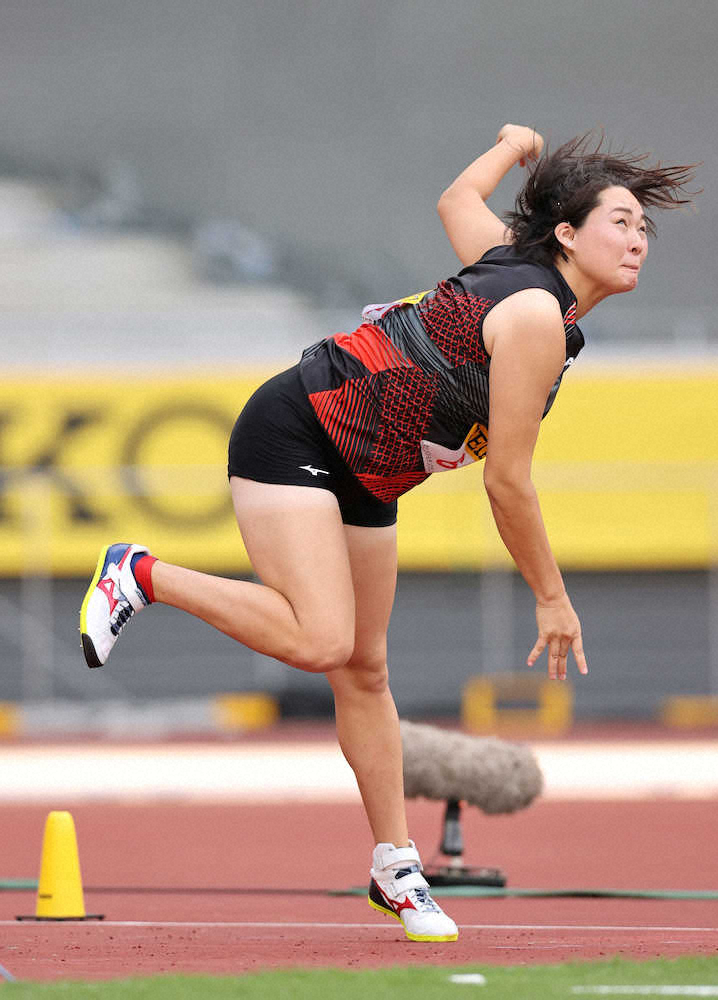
{"x": 314, "y": 472}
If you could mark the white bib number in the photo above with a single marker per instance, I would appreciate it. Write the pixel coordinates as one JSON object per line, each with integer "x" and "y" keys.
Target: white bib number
{"x": 437, "y": 458}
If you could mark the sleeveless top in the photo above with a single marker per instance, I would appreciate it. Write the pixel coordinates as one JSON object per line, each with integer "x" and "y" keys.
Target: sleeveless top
{"x": 407, "y": 393}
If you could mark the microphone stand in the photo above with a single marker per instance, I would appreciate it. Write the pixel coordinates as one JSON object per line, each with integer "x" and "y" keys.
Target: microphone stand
{"x": 453, "y": 871}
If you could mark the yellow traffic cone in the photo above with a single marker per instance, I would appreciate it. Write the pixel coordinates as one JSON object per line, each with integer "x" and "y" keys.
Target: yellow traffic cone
{"x": 59, "y": 892}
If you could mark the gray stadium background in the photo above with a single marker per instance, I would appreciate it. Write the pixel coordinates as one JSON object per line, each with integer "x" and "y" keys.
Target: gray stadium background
{"x": 330, "y": 128}
{"x": 333, "y": 125}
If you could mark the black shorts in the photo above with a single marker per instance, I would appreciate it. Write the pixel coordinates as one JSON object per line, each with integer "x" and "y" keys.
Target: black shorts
{"x": 278, "y": 439}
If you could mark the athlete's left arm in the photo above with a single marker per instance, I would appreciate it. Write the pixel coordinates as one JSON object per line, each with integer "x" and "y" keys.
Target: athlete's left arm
{"x": 524, "y": 334}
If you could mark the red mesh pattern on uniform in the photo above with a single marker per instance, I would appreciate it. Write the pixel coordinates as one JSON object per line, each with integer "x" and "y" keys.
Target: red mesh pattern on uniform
{"x": 406, "y": 404}
{"x": 407, "y": 398}
{"x": 388, "y": 488}
{"x": 452, "y": 319}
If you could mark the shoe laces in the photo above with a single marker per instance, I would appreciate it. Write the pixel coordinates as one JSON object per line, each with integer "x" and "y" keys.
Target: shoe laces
{"x": 423, "y": 898}
{"x": 122, "y": 616}
{"x": 419, "y": 895}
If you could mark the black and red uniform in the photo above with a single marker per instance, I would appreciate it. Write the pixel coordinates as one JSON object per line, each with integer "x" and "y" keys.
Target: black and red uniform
{"x": 407, "y": 393}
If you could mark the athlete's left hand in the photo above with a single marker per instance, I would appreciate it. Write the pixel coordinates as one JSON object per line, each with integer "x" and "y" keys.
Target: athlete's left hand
{"x": 560, "y": 630}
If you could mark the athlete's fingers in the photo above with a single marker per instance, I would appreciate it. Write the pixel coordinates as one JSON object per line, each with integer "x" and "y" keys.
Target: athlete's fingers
{"x": 501, "y": 137}
{"x": 502, "y": 132}
{"x": 554, "y": 655}
{"x": 562, "y": 655}
{"x": 536, "y": 651}
{"x": 579, "y": 655}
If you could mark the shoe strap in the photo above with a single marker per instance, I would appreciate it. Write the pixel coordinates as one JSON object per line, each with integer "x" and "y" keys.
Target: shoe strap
{"x": 415, "y": 880}
{"x": 397, "y": 857}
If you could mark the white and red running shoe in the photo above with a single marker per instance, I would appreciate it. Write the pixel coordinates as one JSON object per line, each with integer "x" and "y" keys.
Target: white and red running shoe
{"x": 398, "y": 889}
{"x": 113, "y": 597}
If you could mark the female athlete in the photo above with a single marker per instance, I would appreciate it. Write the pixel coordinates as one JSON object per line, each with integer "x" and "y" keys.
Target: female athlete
{"x": 436, "y": 381}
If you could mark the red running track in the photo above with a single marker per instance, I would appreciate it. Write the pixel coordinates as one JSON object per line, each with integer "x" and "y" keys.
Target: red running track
{"x": 624, "y": 845}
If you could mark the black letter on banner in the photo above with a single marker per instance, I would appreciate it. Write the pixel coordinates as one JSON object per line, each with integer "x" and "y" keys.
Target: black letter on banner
{"x": 217, "y": 510}
{"x": 46, "y": 464}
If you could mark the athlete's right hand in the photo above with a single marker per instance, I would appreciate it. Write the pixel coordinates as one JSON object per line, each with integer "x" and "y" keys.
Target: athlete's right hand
{"x": 523, "y": 140}
{"x": 560, "y": 630}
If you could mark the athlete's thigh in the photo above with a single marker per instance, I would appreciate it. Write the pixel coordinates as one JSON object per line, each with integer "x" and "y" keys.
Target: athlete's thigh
{"x": 296, "y": 543}
{"x": 373, "y": 560}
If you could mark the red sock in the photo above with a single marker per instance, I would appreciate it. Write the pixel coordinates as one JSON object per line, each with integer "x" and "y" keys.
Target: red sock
{"x": 143, "y": 574}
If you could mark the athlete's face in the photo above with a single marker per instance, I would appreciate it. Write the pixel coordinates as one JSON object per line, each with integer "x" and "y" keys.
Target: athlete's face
{"x": 611, "y": 245}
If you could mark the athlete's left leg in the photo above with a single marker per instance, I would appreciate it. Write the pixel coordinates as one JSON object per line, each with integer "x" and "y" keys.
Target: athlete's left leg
{"x": 366, "y": 717}
{"x": 369, "y": 735}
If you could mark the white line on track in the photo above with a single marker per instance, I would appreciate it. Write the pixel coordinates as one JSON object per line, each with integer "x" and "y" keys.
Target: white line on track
{"x": 285, "y": 925}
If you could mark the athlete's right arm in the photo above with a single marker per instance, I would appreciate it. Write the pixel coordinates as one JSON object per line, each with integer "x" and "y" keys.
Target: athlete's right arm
{"x": 470, "y": 224}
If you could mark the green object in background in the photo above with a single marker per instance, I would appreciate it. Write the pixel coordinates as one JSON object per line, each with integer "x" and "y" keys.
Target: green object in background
{"x": 489, "y": 892}
{"x": 467, "y": 892}
{"x": 18, "y": 885}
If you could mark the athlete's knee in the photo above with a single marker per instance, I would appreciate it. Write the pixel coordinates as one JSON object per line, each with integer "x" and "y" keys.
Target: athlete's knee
{"x": 323, "y": 654}
{"x": 364, "y": 673}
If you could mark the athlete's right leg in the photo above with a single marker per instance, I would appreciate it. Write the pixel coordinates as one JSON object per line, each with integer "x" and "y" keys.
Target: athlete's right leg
{"x": 303, "y": 610}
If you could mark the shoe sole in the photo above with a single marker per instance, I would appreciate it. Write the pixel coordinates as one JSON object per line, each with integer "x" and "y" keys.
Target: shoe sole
{"x": 412, "y": 937}
{"x": 88, "y": 647}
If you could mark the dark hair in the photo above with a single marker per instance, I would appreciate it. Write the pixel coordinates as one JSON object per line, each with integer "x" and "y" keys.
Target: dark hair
{"x": 565, "y": 186}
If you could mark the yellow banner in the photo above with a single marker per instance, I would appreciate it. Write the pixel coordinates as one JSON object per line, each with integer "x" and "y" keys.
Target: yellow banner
{"x": 626, "y": 466}
{"x": 89, "y": 460}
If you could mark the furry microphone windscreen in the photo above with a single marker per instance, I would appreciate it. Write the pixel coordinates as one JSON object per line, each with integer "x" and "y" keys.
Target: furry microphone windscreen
{"x": 496, "y": 776}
